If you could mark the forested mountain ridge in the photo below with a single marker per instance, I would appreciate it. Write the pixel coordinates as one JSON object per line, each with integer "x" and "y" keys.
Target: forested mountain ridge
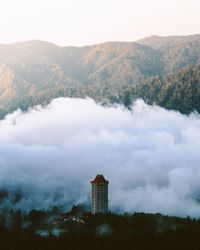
{"x": 34, "y": 72}
{"x": 176, "y": 51}
{"x": 179, "y": 91}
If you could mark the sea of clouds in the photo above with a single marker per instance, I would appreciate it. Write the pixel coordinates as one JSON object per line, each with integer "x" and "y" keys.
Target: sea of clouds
{"x": 150, "y": 155}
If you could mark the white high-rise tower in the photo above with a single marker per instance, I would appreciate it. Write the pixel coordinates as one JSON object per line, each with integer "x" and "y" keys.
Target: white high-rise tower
{"x": 99, "y": 195}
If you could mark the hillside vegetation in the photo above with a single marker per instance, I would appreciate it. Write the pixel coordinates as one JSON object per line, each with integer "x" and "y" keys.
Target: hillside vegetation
{"x": 164, "y": 70}
{"x": 128, "y": 231}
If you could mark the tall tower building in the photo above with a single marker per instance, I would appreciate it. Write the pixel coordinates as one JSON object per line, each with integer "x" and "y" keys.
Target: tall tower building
{"x": 99, "y": 195}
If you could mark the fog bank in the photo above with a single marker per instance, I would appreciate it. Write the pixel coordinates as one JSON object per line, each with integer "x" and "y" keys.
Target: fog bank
{"x": 150, "y": 155}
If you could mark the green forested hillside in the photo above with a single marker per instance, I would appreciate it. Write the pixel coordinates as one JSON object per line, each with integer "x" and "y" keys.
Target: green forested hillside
{"x": 164, "y": 70}
{"x": 179, "y": 91}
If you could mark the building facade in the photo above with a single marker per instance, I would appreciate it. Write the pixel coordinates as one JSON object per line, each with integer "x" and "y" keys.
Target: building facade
{"x": 99, "y": 195}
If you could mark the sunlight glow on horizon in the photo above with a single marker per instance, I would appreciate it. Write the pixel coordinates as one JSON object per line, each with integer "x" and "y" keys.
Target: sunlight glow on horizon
{"x": 79, "y": 22}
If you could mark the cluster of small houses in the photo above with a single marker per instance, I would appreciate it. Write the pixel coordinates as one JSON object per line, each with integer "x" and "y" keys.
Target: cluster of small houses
{"x": 70, "y": 216}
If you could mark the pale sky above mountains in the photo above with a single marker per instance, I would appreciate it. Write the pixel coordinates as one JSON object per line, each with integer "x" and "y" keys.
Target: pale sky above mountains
{"x": 82, "y": 22}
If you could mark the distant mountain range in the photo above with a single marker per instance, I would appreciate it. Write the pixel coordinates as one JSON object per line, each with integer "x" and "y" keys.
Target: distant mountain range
{"x": 162, "y": 70}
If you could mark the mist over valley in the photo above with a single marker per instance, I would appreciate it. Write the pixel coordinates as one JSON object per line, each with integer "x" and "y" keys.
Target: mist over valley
{"x": 49, "y": 155}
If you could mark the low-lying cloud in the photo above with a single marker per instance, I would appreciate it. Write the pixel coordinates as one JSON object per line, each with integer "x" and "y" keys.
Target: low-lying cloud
{"x": 151, "y": 157}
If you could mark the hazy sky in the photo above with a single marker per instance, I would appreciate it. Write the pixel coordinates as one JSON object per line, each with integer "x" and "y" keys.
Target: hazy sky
{"x": 81, "y": 22}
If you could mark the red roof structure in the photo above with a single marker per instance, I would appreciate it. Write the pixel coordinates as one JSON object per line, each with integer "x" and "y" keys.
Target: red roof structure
{"x": 99, "y": 179}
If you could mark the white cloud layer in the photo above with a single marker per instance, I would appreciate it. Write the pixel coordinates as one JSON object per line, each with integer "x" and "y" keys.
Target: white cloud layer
{"x": 150, "y": 156}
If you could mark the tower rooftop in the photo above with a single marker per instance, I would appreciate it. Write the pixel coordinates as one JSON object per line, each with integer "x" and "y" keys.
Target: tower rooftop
{"x": 99, "y": 179}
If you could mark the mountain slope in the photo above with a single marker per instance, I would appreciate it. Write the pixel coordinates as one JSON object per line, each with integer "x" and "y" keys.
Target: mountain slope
{"x": 179, "y": 91}
{"x": 176, "y": 51}
{"x": 37, "y": 71}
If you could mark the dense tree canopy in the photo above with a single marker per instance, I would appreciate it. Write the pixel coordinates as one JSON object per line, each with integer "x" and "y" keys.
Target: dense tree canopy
{"x": 127, "y": 231}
